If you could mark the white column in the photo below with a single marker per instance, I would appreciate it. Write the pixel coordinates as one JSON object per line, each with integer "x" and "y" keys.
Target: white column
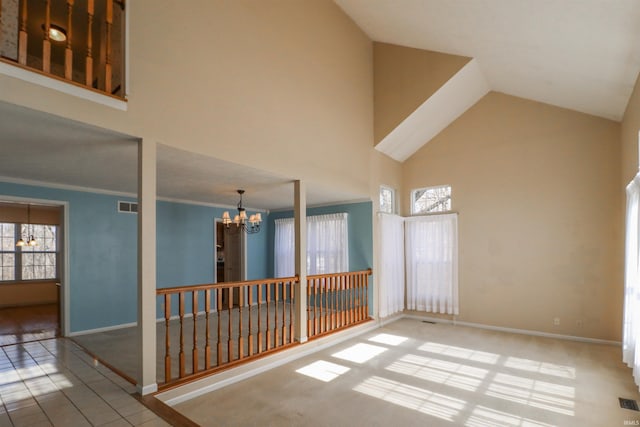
{"x": 147, "y": 267}
{"x": 300, "y": 214}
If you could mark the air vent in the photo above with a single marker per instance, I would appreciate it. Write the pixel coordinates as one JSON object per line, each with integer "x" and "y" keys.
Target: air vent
{"x": 127, "y": 207}
{"x": 628, "y": 404}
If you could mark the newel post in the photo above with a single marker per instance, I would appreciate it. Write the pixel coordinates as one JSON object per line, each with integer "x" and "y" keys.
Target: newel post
{"x": 300, "y": 214}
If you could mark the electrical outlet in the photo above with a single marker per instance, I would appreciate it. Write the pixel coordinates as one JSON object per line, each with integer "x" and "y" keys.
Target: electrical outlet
{"x": 556, "y": 321}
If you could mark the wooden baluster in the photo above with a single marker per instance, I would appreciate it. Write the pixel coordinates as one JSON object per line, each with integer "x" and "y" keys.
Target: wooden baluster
{"x": 276, "y": 334}
{"x": 219, "y": 310}
{"x": 291, "y": 305}
{"x": 340, "y": 301}
{"x": 207, "y": 346}
{"x": 240, "y": 339}
{"x": 259, "y": 319}
{"x": 309, "y": 331}
{"x": 366, "y": 295}
{"x": 360, "y": 297}
{"x": 229, "y": 342}
{"x": 350, "y": 301}
{"x": 107, "y": 65}
{"x": 250, "y": 335}
{"x": 363, "y": 295}
{"x": 22, "y": 37}
{"x": 333, "y": 303}
{"x": 167, "y": 345}
{"x": 89, "y": 60}
{"x": 315, "y": 307}
{"x": 268, "y": 285}
{"x": 356, "y": 305}
{"x": 325, "y": 289}
{"x": 181, "y": 314}
{"x": 68, "y": 53}
{"x": 284, "y": 313}
{"x": 46, "y": 43}
{"x": 194, "y": 310}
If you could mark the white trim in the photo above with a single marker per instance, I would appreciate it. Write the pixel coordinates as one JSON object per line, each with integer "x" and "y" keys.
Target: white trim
{"x": 324, "y": 205}
{"x": 234, "y": 375}
{"x": 512, "y": 330}
{"x": 104, "y": 329}
{"x": 148, "y": 389}
{"x": 60, "y": 86}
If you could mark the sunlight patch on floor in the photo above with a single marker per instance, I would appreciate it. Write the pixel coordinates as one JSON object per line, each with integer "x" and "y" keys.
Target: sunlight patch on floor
{"x": 323, "y": 370}
{"x": 538, "y": 394}
{"x": 487, "y": 417}
{"x": 456, "y": 375}
{"x": 388, "y": 339}
{"x": 541, "y": 367}
{"x": 407, "y": 396}
{"x": 460, "y": 352}
{"x": 360, "y": 353}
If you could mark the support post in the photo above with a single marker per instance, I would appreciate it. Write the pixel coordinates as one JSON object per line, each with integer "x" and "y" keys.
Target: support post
{"x": 300, "y": 214}
{"x": 147, "y": 267}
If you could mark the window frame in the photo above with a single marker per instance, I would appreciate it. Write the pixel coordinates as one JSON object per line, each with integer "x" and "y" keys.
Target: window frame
{"x": 412, "y": 200}
{"x": 394, "y": 203}
{"x": 18, "y": 253}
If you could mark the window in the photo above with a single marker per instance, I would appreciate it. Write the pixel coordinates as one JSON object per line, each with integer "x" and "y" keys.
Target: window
{"x": 387, "y": 199}
{"x": 431, "y": 199}
{"x": 327, "y": 245}
{"x": 28, "y": 262}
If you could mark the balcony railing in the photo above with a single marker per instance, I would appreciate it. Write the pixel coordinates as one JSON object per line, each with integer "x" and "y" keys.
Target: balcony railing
{"x": 77, "y": 41}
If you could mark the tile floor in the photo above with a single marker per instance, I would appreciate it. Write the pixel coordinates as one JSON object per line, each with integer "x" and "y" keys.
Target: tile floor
{"x": 55, "y": 383}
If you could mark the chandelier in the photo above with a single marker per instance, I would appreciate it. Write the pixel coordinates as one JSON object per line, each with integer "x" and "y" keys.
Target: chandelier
{"x": 31, "y": 241}
{"x": 250, "y": 225}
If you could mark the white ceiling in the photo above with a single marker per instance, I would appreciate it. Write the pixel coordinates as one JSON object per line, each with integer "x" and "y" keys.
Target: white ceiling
{"x": 579, "y": 54}
{"x": 42, "y": 148}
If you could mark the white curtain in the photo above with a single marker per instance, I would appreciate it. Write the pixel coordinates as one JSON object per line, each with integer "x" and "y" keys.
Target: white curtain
{"x": 631, "y": 326}
{"x": 284, "y": 248}
{"x": 391, "y": 264}
{"x": 431, "y": 256}
{"x": 327, "y": 245}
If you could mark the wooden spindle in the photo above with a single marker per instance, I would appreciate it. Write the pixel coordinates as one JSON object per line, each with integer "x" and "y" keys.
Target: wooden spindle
{"x": 291, "y": 316}
{"x": 46, "y": 43}
{"x": 167, "y": 341}
{"x": 207, "y": 346}
{"x": 250, "y": 335}
{"x": 22, "y": 35}
{"x": 219, "y": 309}
{"x": 332, "y": 289}
{"x": 284, "y": 313}
{"x": 229, "y": 342}
{"x": 259, "y": 319}
{"x": 350, "y": 300}
{"x": 68, "y": 53}
{"x": 366, "y": 295}
{"x": 107, "y": 65}
{"x": 268, "y": 325}
{"x": 240, "y": 339}
{"x": 194, "y": 351}
{"x": 309, "y": 331}
{"x": 325, "y": 285}
{"x": 181, "y": 355}
{"x": 276, "y": 334}
{"x": 315, "y": 307}
{"x": 89, "y": 59}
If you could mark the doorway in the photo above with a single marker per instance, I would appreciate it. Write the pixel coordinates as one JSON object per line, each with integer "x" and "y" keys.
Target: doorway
{"x": 230, "y": 262}
{"x": 31, "y": 297}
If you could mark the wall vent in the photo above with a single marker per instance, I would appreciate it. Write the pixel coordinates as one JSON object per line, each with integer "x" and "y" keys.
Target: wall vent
{"x": 628, "y": 404}
{"x": 127, "y": 207}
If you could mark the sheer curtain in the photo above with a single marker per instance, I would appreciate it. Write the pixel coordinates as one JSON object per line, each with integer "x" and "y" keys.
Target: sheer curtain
{"x": 631, "y": 326}
{"x": 327, "y": 245}
{"x": 284, "y": 248}
{"x": 391, "y": 264}
{"x": 431, "y": 256}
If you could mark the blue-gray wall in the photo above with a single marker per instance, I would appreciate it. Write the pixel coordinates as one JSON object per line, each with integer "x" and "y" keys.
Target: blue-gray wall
{"x": 103, "y": 252}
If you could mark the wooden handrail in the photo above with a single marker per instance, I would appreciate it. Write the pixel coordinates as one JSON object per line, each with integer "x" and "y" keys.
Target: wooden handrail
{"x": 224, "y": 285}
{"x": 346, "y": 273}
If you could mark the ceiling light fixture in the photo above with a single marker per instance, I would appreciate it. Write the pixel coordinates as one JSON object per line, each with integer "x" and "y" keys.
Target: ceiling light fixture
{"x": 32, "y": 241}
{"x": 250, "y": 225}
{"x": 56, "y": 32}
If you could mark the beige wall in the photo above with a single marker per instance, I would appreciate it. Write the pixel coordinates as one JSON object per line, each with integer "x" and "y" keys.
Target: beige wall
{"x": 630, "y": 140}
{"x": 404, "y": 78}
{"x": 538, "y": 195}
{"x": 285, "y": 86}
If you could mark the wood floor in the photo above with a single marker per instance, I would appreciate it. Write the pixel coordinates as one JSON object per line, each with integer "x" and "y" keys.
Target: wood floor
{"x": 29, "y": 323}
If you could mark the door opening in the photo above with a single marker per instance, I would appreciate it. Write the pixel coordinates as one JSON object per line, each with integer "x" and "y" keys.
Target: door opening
{"x": 230, "y": 260}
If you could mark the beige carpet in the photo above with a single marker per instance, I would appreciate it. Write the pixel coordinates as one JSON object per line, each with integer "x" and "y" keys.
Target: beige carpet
{"x": 413, "y": 373}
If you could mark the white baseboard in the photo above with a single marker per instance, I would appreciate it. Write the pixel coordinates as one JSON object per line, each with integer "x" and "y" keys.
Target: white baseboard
{"x": 104, "y": 329}
{"x": 511, "y": 330}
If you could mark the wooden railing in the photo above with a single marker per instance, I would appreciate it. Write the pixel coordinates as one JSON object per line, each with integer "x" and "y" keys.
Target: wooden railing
{"x": 91, "y": 54}
{"x": 336, "y": 301}
{"x": 214, "y": 326}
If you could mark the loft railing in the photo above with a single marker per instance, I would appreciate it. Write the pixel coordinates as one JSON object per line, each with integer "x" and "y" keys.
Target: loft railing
{"x": 77, "y": 41}
{"x": 211, "y": 327}
{"x": 336, "y": 301}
